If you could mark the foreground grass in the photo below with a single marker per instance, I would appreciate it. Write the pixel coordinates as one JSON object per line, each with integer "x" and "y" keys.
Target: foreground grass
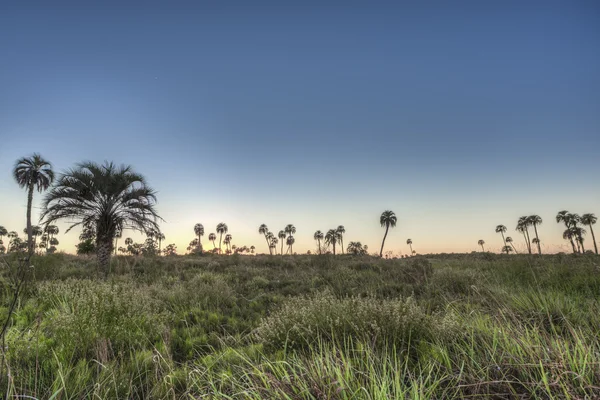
{"x": 306, "y": 327}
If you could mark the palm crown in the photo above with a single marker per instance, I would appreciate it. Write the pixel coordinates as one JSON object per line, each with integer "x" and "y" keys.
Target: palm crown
{"x": 388, "y": 219}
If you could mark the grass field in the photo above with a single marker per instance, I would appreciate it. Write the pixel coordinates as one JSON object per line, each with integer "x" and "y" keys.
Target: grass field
{"x": 305, "y": 327}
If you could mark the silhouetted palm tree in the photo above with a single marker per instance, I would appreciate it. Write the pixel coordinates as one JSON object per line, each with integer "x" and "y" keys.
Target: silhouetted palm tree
{"x": 290, "y": 229}
{"x": 501, "y": 229}
{"x": 341, "y": 230}
{"x": 290, "y": 242}
{"x": 118, "y": 235}
{"x": 535, "y": 220}
{"x": 589, "y": 220}
{"x": 160, "y": 237}
{"x": 510, "y": 241}
{"x": 522, "y": 226}
{"x": 318, "y": 236}
{"x": 565, "y": 217}
{"x": 199, "y": 231}
{"x": 409, "y": 243}
{"x": 481, "y": 243}
{"x": 221, "y": 229}
{"x": 3, "y": 232}
{"x": 106, "y": 197}
{"x": 252, "y": 249}
{"x": 36, "y": 231}
{"x": 32, "y": 172}
{"x": 273, "y": 243}
{"x": 387, "y": 219}
{"x": 356, "y": 248}
{"x": 506, "y": 249}
{"x": 536, "y": 241}
{"x": 573, "y": 219}
{"x": 331, "y": 238}
{"x": 212, "y": 237}
{"x": 282, "y": 235}
{"x": 227, "y": 242}
{"x": 264, "y": 230}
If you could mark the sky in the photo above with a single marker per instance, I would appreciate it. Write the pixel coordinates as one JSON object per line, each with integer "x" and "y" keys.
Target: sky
{"x": 458, "y": 116}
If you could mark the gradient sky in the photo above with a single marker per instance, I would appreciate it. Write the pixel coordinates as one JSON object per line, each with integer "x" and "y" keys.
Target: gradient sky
{"x": 458, "y": 115}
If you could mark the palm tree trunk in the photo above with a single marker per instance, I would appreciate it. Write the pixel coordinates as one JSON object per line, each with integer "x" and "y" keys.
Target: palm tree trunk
{"x": 220, "y": 236}
{"x": 411, "y": 250}
{"x": 334, "y": 248}
{"x": 581, "y": 241}
{"x": 387, "y": 227}
{"x": 593, "y": 238}
{"x": 482, "y": 249}
{"x": 342, "y": 243}
{"x": 103, "y": 252}
{"x": 514, "y": 248}
{"x": 268, "y": 245}
{"x": 538, "y": 239}
{"x": 528, "y": 240}
{"x": 504, "y": 240}
{"x": 319, "y": 241}
{"x": 29, "y": 230}
{"x": 282, "y": 247}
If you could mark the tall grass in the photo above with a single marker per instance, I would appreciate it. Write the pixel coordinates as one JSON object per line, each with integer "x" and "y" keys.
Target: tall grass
{"x": 470, "y": 326}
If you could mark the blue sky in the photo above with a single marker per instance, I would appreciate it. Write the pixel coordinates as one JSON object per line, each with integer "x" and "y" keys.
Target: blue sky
{"x": 456, "y": 115}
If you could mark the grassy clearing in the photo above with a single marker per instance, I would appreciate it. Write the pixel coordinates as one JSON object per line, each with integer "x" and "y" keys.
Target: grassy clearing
{"x": 307, "y": 327}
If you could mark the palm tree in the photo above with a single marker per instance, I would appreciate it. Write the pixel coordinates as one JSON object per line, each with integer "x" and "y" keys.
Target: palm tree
{"x": 331, "y": 238}
{"x": 290, "y": 229}
{"x": 523, "y": 226}
{"x": 575, "y": 233}
{"x": 481, "y": 243}
{"x": 387, "y": 219}
{"x": 12, "y": 235}
{"x": 264, "y": 230}
{"x": 35, "y": 232}
{"x": 160, "y": 237}
{"x": 356, "y": 248}
{"x": 510, "y": 241}
{"x": 118, "y": 235}
{"x": 318, "y": 236}
{"x": 199, "y": 231}
{"x": 107, "y": 197}
{"x": 273, "y": 243}
{"x": 227, "y": 242}
{"x": 252, "y": 248}
{"x": 536, "y": 241}
{"x": 341, "y": 230}
{"x": 506, "y": 249}
{"x": 501, "y": 229}
{"x": 409, "y": 243}
{"x": 589, "y": 220}
{"x": 282, "y": 235}
{"x": 221, "y": 229}
{"x": 565, "y": 217}
{"x": 290, "y": 242}
{"x": 212, "y": 237}
{"x": 535, "y": 220}
{"x": 32, "y": 172}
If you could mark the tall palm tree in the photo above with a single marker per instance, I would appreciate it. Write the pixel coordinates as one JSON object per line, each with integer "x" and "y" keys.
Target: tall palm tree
{"x": 341, "y": 230}
{"x": 290, "y": 229}
{"x": 273, "y": 243}
{"x": 331, "y": 238}
{"x": 221, "y": 229}
{"x": 32, "y": 172}
{"x": 264, "y": 230}
{"x": 509, "y": 240}
{"x": 575, "y": 233}
{"x": 160, "y": 237}
{"x": 573, "y": 219}
{"x": 227, "y": 241}
{"x": 387, "y": 219}
{"x": 199, "y": 231}
{"x": 589, "y": 220}
{"x": 290, "y": 242}
{"x": 318, "y": 236}
{"x": 409, "y": 243}
{"x": 501, "y": 229}
{"x": 523, "y": 226}
{"x": 106, "y": 197}
{"x": 212, "y": 237}
{"x": 565, "y": 217}
{"x": 481, "y": 243}
{"x": 282, "y": 235}
{"x": 535, "y": 220}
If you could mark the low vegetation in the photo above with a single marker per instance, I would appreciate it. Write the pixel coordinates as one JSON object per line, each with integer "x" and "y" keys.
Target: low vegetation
{"x": 303, "y": 327}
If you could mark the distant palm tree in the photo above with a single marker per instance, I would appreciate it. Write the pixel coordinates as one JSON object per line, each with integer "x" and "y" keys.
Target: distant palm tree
{"x": 331, "y": 238}
{"x": 36, "y": 231}
{"x": 409, "y": 243}
{"x": 290, "y": 242}
{"x": 506, "y": 249}
{"x": 356, "y": 248}
{"x": 160, "y": 237}
{"x": 565, "y": 217}
{"x": 273, "y": 243}
{"x": 212, "y": 237}
{"x": 536, "y": 241}
{"x": 589, "y": 220}
{"x": 535, "y": 220}
{"x": 387, "y": 219}
{"x": 523, "y": 227}
{"x": 575, "y": 233}
{"x": 282, "y": 235}
{"x": 107, "y": 197}
{"x": 12, "y": 235}
{"x": 252, "y": 249}
{"x": 128, "y": 241}
{"x": 221, "y": 229}
{"x": 227, "y": 241}
{"x": 199, "y": 231}
{"x": 510, "y": 241}
{"x": 118, "y": 235}
{"x": 341, "y": 230}
{"x": 290, "y": 229}
{"x": 264, "y": 230}
{"x": 32, "y": 172}
{"x": 501, "y": 229}
{"x": 575, "y": 219}
{"x": 481, "y": 243}
{"x": 318, "y": 236}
